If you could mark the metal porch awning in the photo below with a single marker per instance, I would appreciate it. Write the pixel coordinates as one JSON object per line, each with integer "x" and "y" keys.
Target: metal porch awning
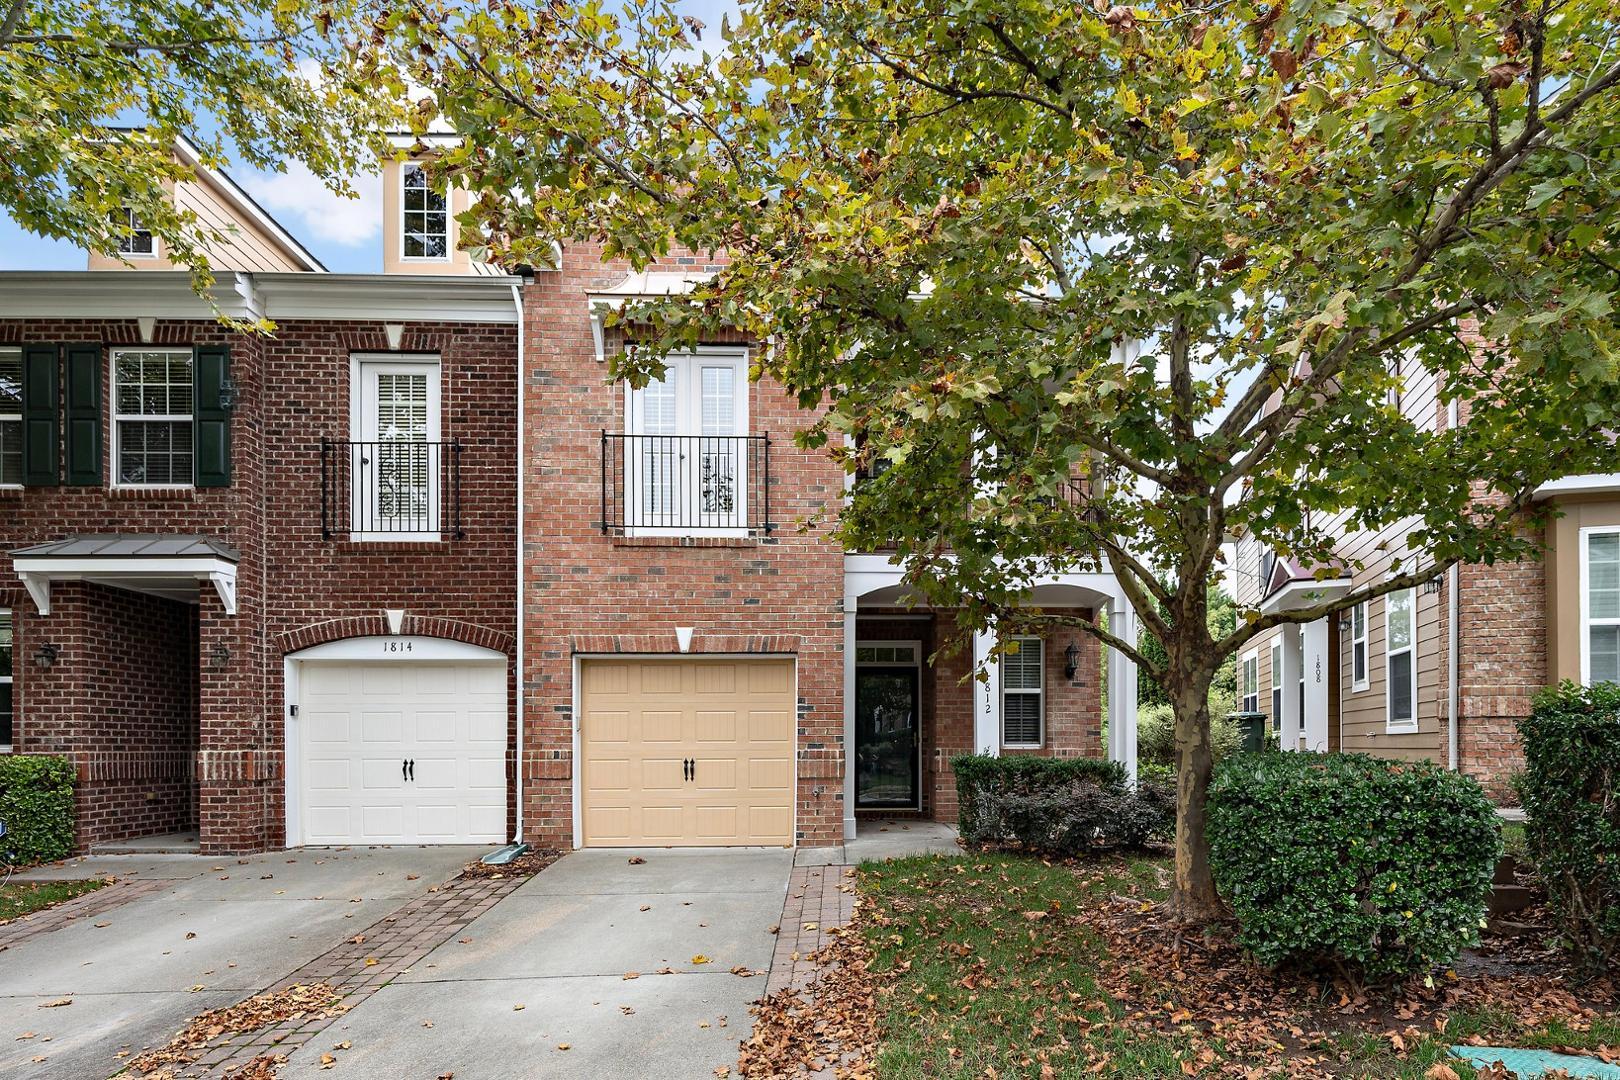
{"x": 171, "y": 566}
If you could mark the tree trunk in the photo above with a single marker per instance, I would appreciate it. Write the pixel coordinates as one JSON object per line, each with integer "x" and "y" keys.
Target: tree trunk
{"x": 1194, "y": 899}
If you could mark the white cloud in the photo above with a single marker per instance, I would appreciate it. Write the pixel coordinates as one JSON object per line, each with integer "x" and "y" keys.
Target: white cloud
{"x": 311, "y": 212}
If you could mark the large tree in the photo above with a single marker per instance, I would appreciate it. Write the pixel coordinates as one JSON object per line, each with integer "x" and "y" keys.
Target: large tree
{"x": 92, "y": 97}
{"x": 1103, "y": 285}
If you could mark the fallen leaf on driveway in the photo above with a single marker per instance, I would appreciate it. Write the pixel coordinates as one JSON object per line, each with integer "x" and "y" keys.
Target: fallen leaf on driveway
{"x": 57, "y": 1004}
{"x": 811, "y": 926}
{"x": 344, "y": 1045}
{"x": 190, "y": 934}
{"x": 327, "y": 1061}
{"x": 646, "y": 907}
{"x": 627, "y": 1010}
{"x": 465, "y": 940}
{"x": 722, "y": 1071}
{"x": 635, "y": 860}
{"x": 371, "y": 961}
{"x": 27, "y": 1035}
{"x": 519, "y": 1008}
{"x": 700, "y": 959}
{"x": 413, "y": 877}
{"x": 564, "y": 1046}
{"x": 1033, "y": 916}
{"x": 101, "y": 925}
{"x": 427, "y": 1023}
{"x": 665, "y": 971}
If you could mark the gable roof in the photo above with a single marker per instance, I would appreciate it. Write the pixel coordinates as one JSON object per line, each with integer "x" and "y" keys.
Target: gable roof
{"x": 240, "y": 202}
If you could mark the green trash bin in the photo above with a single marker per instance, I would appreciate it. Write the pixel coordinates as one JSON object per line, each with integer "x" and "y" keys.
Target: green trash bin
{"x": 1253, "y": 726}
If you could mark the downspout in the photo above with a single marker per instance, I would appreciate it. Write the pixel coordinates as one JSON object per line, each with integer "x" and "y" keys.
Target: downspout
{"x": 1453, "y": 636}
{"x": 517, "y": 771}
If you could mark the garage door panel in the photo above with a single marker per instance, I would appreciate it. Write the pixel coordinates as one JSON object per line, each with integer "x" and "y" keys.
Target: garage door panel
{"x": 717, "y": 725}
{"x": 769, "y": 774}
{"x": 361, "y": 720}
{"x": 647, "y": 718}
{"x": 662, "y": 726}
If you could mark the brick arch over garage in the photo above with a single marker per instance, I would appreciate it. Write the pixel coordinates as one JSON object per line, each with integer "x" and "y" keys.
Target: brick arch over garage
{"x": 377, "y": 626}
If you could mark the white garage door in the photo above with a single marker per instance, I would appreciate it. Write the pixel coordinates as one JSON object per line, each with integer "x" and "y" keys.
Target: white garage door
{"x": 402, "y": 752}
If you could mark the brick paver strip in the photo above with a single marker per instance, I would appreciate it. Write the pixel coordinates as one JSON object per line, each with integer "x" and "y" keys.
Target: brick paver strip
{"x": 69, "y": 912}
{"x": 392, "y": 945}
{"x": 820, "y": 897}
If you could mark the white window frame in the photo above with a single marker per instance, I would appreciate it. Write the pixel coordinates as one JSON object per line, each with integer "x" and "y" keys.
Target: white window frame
{"x": 359, "y": 365}
{"x": 1392, "y": 725}
{"x": 632, "y": 495}
{"x": 11, "y": 680}
{"x": 1039, "y": 694}
{"x": 16, "y": 417}
{"x": 1361, "y": 682}
{"x": 405, "y": 173}
{"x": 1276, "y": 683}
{"x": 1249, "y": 681}
{"x": 133, "y": 227}
{"x": 1587, "y": 622}
{"x": 118, "y": 419}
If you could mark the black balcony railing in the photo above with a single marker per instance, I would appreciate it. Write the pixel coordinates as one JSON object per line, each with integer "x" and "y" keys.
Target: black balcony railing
{"x": 676, "y": 484}
{"x": 393, "y": 487}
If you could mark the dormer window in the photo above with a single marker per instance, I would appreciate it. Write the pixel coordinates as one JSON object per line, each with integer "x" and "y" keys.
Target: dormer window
{"x": 136, "y": 239}
{"x": 426, "y": 218}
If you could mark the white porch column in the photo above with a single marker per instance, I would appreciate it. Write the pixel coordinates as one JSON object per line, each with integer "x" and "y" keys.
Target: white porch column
{"x": 1293, "y": 660}
{"x": 1317, "y": 674}
{"x": 1122, "y": 689}
{"x": 851, "y": 604}
{"x": 986, "y": 695}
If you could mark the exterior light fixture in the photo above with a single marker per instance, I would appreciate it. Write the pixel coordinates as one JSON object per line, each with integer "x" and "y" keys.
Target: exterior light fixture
{"x": 46, "y": 656}
{"x": 222, "y": 655}
{"x": 1071, "y": 660}
{"x": 227, "y": 392}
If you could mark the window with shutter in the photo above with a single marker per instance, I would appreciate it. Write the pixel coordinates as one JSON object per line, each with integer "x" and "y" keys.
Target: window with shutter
{"x": 1022, "y": 692}
{"x": 41, "y": 378}
{"x": 153, "y": 394}
{"x": 11, "y": 418}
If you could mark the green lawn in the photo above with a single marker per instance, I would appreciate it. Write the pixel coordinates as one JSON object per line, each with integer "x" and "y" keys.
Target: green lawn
{"x": 991, "y": 976}
{"x": 20, "y": 898}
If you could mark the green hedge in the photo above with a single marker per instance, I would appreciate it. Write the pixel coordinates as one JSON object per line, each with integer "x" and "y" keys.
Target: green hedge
{"x": 1570, "y": 789}
{"x": 1374, "y": 867}
{"x": 36, "y": 803}
{"x": 978, "y": 776}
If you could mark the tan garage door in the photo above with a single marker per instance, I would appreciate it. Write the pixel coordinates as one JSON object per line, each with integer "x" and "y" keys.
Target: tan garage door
{"x": 695, "y": 753}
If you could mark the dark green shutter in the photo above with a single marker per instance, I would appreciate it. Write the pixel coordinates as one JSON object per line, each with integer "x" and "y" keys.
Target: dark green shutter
{"x": 83, "y": 413}
{"x": 211, "y": 427}
{"x": 40, "y": 438}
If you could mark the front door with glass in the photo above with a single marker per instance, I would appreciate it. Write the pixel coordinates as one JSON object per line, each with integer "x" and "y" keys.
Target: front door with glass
{"x": 394, "y": 466}
{"x": 886, "y": 738}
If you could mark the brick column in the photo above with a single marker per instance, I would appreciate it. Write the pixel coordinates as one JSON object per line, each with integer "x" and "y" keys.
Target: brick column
{"x": 237, "y": 763}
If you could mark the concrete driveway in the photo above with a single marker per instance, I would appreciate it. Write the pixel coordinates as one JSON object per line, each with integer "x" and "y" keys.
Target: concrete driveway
{"x": 560, "y": 947}
{"x": 218, "y": 930}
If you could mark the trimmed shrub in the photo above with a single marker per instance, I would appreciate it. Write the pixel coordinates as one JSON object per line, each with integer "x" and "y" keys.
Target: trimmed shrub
{"x": 36, "y": 804}
{"x": 1570, "y": 790}
{"x": 1373, "y": 868}
{"x": 1063, "y": 806}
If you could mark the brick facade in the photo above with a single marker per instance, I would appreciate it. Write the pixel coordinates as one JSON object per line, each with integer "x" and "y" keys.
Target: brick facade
{"x": 586, "y": 592}
{"x": 293, "y": 587}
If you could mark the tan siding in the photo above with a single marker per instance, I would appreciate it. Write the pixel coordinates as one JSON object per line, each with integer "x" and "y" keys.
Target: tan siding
{"x": 246, "y": 247}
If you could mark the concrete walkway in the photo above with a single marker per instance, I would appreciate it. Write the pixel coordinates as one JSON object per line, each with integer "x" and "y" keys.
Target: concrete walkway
{"x": 216, "y": 930}
{"x": 538, "y": 987}
{"x": 877, "y": 839}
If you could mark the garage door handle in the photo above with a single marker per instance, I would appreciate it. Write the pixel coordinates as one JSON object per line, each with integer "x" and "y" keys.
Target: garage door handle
{"x": 690, "y": 769}
{"x": 404, "y": 769}
{"x": 411, "y": 767}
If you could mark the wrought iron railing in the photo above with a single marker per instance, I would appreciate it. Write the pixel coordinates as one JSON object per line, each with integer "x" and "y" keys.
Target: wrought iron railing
{"x": 677, "y": 484}
{"x": 391, "y": 487}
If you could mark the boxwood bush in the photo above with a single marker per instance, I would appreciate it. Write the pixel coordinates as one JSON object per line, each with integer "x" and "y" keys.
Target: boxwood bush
{"x": 1063, "y": 806}
{"x": 1373, "y": 868}
{"x": 36, "y": 804}
{"x": 1570, "y": 790}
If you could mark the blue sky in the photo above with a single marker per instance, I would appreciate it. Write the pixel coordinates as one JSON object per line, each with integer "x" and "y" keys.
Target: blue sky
{"x": 345, "y": 234}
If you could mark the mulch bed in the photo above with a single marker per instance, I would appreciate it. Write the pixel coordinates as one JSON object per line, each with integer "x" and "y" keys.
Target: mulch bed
{"x": 525, "y": 865}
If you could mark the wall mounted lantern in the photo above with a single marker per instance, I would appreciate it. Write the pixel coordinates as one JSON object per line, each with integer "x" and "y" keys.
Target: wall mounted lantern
{"x": 1071, "y": 660}
{"x": 227, "y": 393}
{"x": 46, "y": 656}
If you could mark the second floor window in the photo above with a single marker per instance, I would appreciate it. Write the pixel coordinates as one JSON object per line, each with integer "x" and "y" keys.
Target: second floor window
{"x": 152, "y": 417}
{"x": 426, "y": 217}
{"x": 1022, "y": 685}
{"x": 1600, "y": 606}
{"x": 1358, "y": 646}
{"x": 1400, "y": 652}
{"x": 136, "y": 239}
{"x": 11, "y": 426}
